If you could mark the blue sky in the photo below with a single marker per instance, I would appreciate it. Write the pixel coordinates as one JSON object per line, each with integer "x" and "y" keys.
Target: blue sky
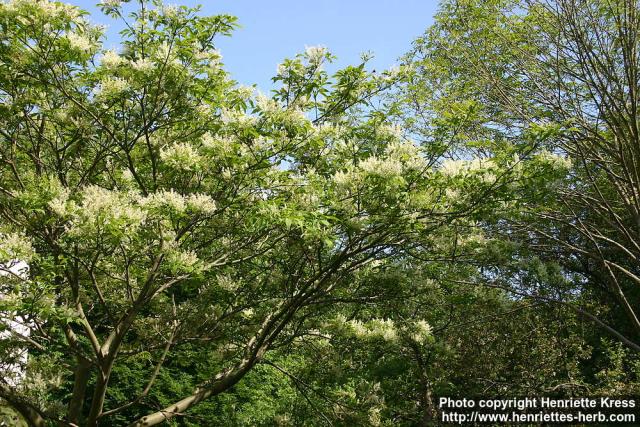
{"x": 276, "y": 29}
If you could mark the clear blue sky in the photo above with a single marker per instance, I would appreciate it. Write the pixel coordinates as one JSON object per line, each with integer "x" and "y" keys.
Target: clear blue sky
{"x": 276, "y": 29}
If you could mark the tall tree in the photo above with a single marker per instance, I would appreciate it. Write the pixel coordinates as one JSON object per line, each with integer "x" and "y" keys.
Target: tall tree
{"x": 176, "y": 227}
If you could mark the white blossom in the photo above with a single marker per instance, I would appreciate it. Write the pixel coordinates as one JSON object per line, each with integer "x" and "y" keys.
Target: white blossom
{"x": 464, "y": 167}
{"x": 214, "y": 142}
{"x": 204, "y": 110}
{"x": 407, "y": 153}
{"x": 236, "y": 117}
{"x": 452, "y": 194}
{"x": 342, "y": 178}
{"x": 49, "y": 9}
{"x": 80, "y": 42}
{"x": 111, "y": 3}
{"x": 180, "y": 156}
{"x": 213, "y": 58}
{"x": 60, "y": 204}
{"x": 245, "y": 92}
{"x": 375, "y": 418}
{"x": 166, "y": 53}
{"x": 111, "y": 59}
{"x": 394, "y": 130}
{"x": 201, "y": 203}
{"x": 452, "y": 167}
{"x": 143, "y": 65}
{"x": 165, "y": 198}
{"x": 555, "y": 160}
{"x": 247, "y": 313}
{"x": 170, "y": 11}
{"x": 383, "y": 328}
{"x": 393, "y": 71}
{"x": 226, "y": 282}
{"x": 422, "y": 331}
{"x": 374, "y": 328}
{"x": 267, "y": 105}
{"x": 183, "y": 260}
{"x": 13, "y": 247}
{"x": 381, "y": 167}
{"x": 111, "y": 86}
{"x": 315, "y": 54}
{"x": 105, "y": 209}
{"x": 127, "y": 176}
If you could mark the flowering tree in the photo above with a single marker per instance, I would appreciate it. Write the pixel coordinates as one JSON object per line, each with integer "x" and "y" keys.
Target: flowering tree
{"x": 181, "y": 226}
{"x": 166, "y": 213}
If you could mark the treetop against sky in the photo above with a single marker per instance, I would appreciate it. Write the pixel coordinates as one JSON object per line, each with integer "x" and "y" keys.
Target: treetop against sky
{"x": 274, "y": 30}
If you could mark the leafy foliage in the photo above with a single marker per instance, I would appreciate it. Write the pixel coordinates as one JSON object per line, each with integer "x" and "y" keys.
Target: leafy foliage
{"x": 179, "y": 248}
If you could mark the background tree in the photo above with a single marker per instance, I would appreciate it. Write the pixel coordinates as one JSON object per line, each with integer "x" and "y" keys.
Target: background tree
{"x": 558, "y": 76}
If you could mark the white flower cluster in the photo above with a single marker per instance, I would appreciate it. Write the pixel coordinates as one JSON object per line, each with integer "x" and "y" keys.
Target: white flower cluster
{"x": 375, "y": 328}
{"x": 478, "y": 166}
{"x": 60, "y": 204}
{"x": 170, "y": 11}
{"x": 335, "y": 132}
{"x": 244, "y": 92}
{"x": 282, "y": 70}
{"x": 144, "y": 65}
{"x": 247, "y": 313}
{"x": 183, "y": 261}
{"x": 80, "y": 42}
{"x": 215, "y": 143}
{"x": 271, "y": 108}
{"x": 166, "y": 53}
{"x": 45, "y": 8}
{"x": 111, "y": 59}
{"x": 261, "y": 143}
{"x": 15, "y": 246}
{"x": 394, "y": 130}
{"x": 110, "y": 87}
{"x": 453, "y": 167}
{"x": 343, "y": 178}
{"x": 556, "y": 161}
{"x": 392, "y": 73}
{"x": 178, "y": 203}
{"x": 383, "y": 328}
{"x": 111, "y": 3}
{"x": 164, "y": 199}
{"x": 422, "y": 332}
{"x": 236, "y": 117}
{"x": 381, "y": 167}
{"x": 212, "y": 58}
{"x": 226, "y": 282}
{"x": 375, "y": 418}
{"x": 267, "y": 105}
{"x": 453, "y": 194}
{"x": 100, "y": 210}
{"x": 315, "y": 54}
{"x": 201, "y": 203}
{"x": 204, "y": 110}
{"x": 473, "y": 239}
{"x": 181, "y": 156}
{"x": 407, "y": 153}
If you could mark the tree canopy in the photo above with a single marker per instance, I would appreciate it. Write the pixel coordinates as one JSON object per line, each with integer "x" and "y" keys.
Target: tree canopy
{"x": 178, "y": 248}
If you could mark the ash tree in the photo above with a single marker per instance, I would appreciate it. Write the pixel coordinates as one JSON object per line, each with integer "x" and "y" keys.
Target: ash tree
{"x": 165, "y": 215}
{"x": 176, "y": 224}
